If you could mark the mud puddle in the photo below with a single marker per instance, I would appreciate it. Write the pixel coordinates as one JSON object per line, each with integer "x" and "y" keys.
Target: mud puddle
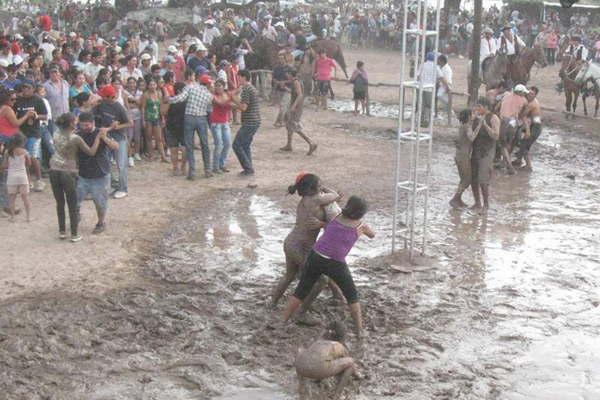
{"x": 507, "y": 309}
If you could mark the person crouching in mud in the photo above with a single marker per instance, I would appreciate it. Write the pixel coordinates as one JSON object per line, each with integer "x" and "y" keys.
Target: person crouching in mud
{"x": 326, "y": 358}
{"x": 328, "y": 257}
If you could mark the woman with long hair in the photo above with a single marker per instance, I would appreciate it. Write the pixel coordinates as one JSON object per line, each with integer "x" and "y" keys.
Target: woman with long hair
{"x": 150, "y": 105}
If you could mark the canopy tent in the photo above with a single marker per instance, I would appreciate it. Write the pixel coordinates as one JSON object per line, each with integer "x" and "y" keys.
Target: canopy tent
{"x": 576, "y": 5}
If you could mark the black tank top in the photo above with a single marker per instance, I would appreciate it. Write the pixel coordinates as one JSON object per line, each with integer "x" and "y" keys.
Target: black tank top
{"x": 483, "y": 143}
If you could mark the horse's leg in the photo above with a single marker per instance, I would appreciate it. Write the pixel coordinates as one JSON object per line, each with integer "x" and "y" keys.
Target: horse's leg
{"x": 575, "y": 97}
{"x": 597, "y": 95}
{"x": 583, "y": 100}
{"x": 568, "y": 101}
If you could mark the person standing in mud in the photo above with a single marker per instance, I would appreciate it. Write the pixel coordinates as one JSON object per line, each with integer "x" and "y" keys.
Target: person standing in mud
{"x": 533, "y": 129}
{"x": 326, "y": 358}
{"x": 464, "y": 145}
{"x": 248, "y": 104}
{"x": 311, "y": 216}
{"x": 322, "y": 73}
{"x": 486, "y": 129}
{"x": 294, "y": 113}
{"x": 328, "y": 257}
{"x": 512, "y": 108}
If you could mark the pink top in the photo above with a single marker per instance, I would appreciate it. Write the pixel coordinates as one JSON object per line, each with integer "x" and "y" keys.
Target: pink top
{"x": 511, "y": 105}
{"x": 552, "y": 40}
{"x": 324, "y": 67}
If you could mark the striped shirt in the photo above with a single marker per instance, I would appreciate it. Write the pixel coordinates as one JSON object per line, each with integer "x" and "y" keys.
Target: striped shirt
{"x": 249, "y": 96}
{"x": 198, "y": 99}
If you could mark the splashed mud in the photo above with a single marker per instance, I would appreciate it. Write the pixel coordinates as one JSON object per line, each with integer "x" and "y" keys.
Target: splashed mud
{"x": 505, "y": 307}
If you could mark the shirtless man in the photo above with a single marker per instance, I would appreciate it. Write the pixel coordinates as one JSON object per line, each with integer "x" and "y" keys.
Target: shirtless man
{"x": 533, "y": 129}
{"x": 326, "y": 358}
{"x": 511, "y": 112}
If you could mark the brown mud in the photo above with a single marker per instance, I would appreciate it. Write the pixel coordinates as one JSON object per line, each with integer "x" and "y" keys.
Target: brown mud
{"x": 504, "y": 306}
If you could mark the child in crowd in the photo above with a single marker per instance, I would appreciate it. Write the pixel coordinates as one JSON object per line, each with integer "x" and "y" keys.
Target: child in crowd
{"x": 16, "y": 161}
{"x": 360, "y": 90}
{"x": 175, "y": 117}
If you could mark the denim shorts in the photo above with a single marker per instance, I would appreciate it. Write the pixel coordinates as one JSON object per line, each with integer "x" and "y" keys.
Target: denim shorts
{"x": 34, "y": 147}
{"x": 5, "y": 139}
{"x": 97, "y": 188}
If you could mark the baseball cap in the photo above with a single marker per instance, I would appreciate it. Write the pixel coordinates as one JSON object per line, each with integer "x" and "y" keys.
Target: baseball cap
{"x": 108, "y": 91}
{"x": 145, "y": 56}
{"x": 521, "y": 89}
{"x": 172, "y": 49}
{"x": 205, "y": 80}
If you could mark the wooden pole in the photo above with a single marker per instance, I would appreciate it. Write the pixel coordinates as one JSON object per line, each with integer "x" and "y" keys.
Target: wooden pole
{"x": 476, "y": 44}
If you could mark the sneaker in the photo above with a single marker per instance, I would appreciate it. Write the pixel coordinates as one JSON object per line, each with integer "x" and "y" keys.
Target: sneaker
{"x": 76, "y": 238}
{"x": 131, "y": 162}
{"x": 62, "y": 235}
{"x": 247, "y": 173}
{"x": 38, "y": 186}
{"x": 224, "y": 170}
{"x": 99, "y": 229}
{"x": 191, "y": 178}
{"x": 137, "y": 157}
{"x": 119, "y": 194}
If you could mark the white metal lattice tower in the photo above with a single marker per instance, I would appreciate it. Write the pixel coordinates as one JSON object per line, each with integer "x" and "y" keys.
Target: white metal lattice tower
{"x": 414, "y": 142}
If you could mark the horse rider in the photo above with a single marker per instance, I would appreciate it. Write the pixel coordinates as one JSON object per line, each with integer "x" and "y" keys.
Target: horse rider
{"x": 510, "y": 45}
{"x": 488, "y": 46}
{"x": 577, "y": 49}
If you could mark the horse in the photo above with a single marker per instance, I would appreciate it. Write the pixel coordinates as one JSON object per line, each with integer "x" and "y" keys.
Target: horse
{"x": 589, "y": 73}
{"x": 499, "y": 68}
{"x": 568, "y": 71}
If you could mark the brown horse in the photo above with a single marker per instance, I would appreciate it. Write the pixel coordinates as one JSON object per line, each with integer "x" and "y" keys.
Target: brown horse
{"x": 333, "y": 49}
{"x": 568, "y": 72}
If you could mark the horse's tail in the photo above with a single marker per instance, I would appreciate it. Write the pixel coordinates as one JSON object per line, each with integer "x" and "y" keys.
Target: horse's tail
{"x": 339, "y": 58}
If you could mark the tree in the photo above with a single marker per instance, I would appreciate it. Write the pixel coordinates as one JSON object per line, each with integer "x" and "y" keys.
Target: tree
{"x": 476, "y": 43}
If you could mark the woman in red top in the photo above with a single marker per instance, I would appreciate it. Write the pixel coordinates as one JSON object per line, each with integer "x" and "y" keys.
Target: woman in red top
{"x": 219, "y": 123}
{"x": 9, "y": 123}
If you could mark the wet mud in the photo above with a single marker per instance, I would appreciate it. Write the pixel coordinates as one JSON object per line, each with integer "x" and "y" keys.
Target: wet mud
{"x": 505, "y": 306}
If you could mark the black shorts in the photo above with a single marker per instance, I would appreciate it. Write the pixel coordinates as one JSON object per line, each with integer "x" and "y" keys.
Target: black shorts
{"x": 359, "y": 94}
{"x": 317, "y": 265}
{"x": 174, "y": 137}
{"x": 323, "y": 87}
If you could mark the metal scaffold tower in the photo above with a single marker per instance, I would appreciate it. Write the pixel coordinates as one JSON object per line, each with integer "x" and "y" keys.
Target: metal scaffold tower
{"x": 414, "y": 139}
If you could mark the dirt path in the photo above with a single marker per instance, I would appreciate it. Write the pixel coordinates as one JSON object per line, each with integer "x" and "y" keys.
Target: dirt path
{"x": 170, "y": 302}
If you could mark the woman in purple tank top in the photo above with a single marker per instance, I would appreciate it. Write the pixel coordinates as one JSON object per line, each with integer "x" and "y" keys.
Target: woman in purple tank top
{"x": 328, "y": 257}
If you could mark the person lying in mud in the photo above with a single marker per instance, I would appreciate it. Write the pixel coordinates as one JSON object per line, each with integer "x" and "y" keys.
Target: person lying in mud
{"x": 326, "y": 358}
{"x": 464, "y": 145}
{"x": 328, "y": 257}
{"x": 317, "y": 206}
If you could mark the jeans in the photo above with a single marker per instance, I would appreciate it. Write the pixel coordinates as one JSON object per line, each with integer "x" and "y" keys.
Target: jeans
{"x": 222, "y": 139}
{"x": 97, "y": 188}
{"x": 47, "y": 150}
{"x": 64, "y": 186}
{"x": 241, "y": 145}
{"x": 191, "y": 124}
{"x": 121, "y": 157}
{"x": 3, "y": 174}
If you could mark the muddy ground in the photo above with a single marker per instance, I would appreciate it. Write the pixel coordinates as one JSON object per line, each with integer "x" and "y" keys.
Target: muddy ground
{"x": 171, "y": 303}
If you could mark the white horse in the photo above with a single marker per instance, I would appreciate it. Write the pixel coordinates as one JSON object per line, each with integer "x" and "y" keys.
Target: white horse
{"x": 589, "y": 79}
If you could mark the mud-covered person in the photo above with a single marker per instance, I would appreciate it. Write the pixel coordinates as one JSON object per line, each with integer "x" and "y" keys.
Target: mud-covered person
{"x": 311, "y": 216}
{"x": 462, "y": 158}
{"x": 512, "y": 109}
{"x": 532, "y": 129}
{"x": 328, "y": 257}
{"x": 326, "y": 358}
{"x": 486, "y": 129}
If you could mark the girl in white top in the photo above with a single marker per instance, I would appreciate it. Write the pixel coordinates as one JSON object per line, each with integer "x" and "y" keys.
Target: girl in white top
{"x": 16, "y": 161}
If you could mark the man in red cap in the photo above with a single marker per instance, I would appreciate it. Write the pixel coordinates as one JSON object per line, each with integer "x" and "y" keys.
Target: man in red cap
{"x": 111, "y": 114}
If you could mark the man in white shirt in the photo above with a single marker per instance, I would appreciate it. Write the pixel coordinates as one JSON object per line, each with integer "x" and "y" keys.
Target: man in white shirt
{"x": 92, "y": 68}
{"x": 488, "y": 46}
{"x": 210, "y": 32}
{"x": 131, "y": 70}
{"x": 444, "y": 89}
{"x": 428, "y": 77}
{"x": 47, "y": 47}
{"x": 508, "y": 43}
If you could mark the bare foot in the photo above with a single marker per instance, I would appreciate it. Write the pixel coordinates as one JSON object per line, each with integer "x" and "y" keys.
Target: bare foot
{"x": 286, "y": 148}
{"x": 456, "y": 203}
{"x": 311, "y": 149}
{"x": 476, "y": 207}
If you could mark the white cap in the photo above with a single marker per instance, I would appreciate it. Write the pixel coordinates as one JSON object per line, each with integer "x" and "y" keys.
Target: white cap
{"x": 3, "y": 62}
{"x": 118, "y": 49}
{"x": 280, "y": 23}
{"x": 200, "y": 46}
{"x": 18, "y": 36}
{"x": 72, "y": 34}
{"x": 521, "y": 89}
{"x": 172, "y": 49}
{"x": 210, "y": 21}
{"x": 145, "y": 56}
